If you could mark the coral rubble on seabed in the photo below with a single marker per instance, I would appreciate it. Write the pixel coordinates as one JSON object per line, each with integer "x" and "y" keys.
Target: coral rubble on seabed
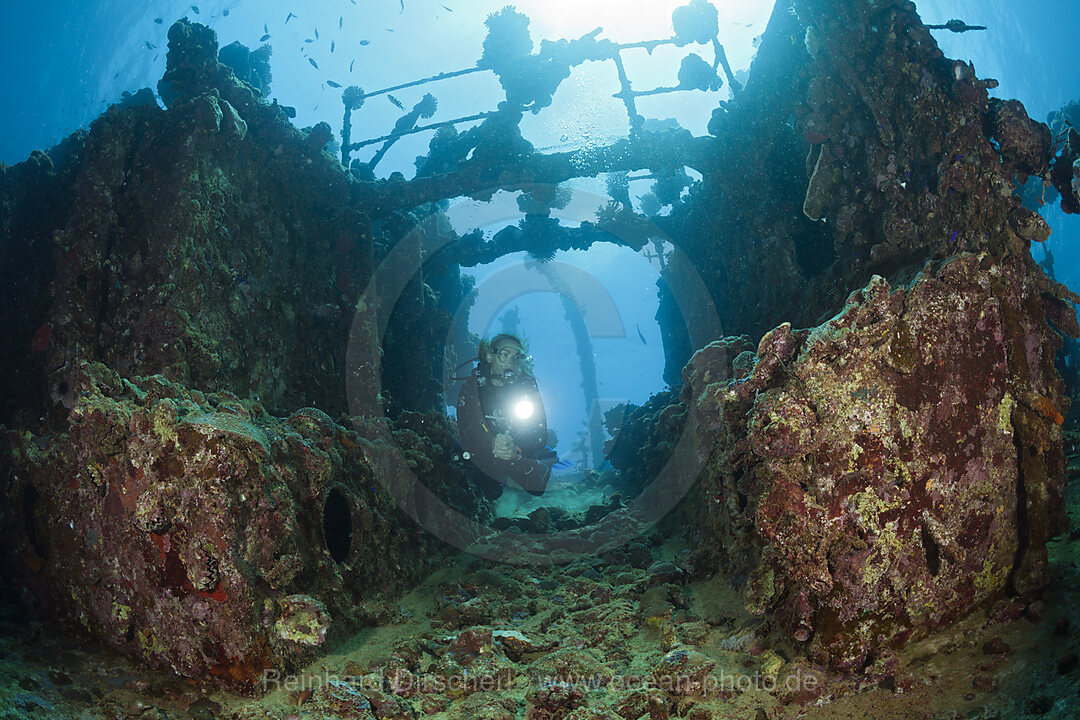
{"x": 631, "y": 635}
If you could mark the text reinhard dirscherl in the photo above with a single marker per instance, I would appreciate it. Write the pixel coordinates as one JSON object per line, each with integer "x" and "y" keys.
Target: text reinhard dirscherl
{"x": 408, "y": 684}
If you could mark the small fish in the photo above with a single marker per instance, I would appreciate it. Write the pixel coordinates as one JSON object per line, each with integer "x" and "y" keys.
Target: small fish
{"x": 447, "y": 9}
{"x": 397, "y": 103}
{"x": 150, "y": 45}
{"x": 308, "y": 40}
{"x": 316, "y": 33}
{"x": 331, "y": 46}
{"x": 313, "y": 63}
{"x": 265, "y": 37}
{"x": 225, "y": 12}
{"x": 640, "y": 335}
{"x": 289, "y": 17}
{"x": 333, "y": 84}
{"x": 365, "y": 42}
{"x": 351, "y": 64}
{"x": 195, "y": 9}
{"x": 340, "y": 21}
{"x": 158, "y": 21}
{"x": 266, "y": 28}
{"x": 402, "y": 7}
{"x": 389, "y": 29}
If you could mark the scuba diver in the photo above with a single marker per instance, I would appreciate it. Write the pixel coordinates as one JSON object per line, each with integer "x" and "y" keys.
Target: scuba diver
{"x": 501, "y": 422}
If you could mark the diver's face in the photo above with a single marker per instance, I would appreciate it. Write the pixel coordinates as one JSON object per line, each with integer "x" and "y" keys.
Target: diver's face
{"x": 506, "y": 358}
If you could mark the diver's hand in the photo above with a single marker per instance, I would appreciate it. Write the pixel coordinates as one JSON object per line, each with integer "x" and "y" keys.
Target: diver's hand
{"x": 504, "y": 447}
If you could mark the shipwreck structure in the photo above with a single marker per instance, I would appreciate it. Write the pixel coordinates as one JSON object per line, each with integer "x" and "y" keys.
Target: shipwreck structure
{"x": 200, "y": 395}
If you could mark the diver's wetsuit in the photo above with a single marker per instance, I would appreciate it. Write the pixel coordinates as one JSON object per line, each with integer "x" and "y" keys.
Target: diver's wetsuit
{"x": 484, "y": 410}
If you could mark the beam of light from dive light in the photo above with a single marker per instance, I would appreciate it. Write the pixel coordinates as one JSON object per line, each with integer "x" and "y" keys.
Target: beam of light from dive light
{"x": 524, "y": 409}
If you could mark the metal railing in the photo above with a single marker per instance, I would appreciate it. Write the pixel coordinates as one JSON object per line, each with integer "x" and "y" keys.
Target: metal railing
{"x": 530, "y": 79}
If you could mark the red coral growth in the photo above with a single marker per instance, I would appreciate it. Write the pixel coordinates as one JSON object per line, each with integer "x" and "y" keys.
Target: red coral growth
{"x": 1047, "y": 408}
